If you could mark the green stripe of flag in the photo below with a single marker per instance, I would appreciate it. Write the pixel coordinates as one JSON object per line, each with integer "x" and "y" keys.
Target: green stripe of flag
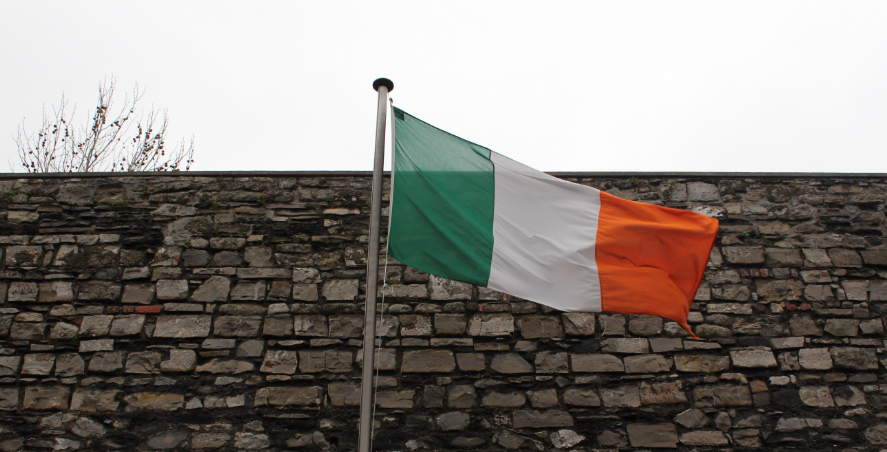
{"x": 443, "y": 202}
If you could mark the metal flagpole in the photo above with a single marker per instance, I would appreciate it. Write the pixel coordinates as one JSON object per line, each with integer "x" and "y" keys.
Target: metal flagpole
{"x": 383, "y": 86}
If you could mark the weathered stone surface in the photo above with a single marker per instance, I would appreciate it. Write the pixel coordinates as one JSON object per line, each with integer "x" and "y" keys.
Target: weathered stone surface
{"x": 504, "y": 399}
{"x": 395, "y": 399}
{"x": 58, "y": 291}
{"x": 183, "y": 326}
{"x": 347, "y": 325}
{"x": 280, "y": 362}
{"x": 580, "y": 397}
{"x": 539, "y": 326}
{"x": 216, "y": 288}
{"x": 692, "y": 418}
{"x": 854, "y": 358}
{"x": 815, "y": 358}
{"x": 753, "y": 358}
{"x": 596, "y": 363}
{"x": 310, "y": 325}
{"x": 541, "y": 419}
{"x": 445, "y": 289}
{"x": 96, "y": 325}
{"x": 848, "y": 396}
{"x": 231, "y": 366}
{"x": 180, "y": 360}
{"x": 842, "y": 327}
{"x": 340, "y": 289}
{"x": 461, "y": 396}
{"x": 38, "y": 364}
{"x": 704, "y": 438}
{"x": 702, "y": 363}
{"x": 622, "y": 396}
{"x": 510, "y": 363}
{"x": 743, "y": 254}
{"x": 450, "y": 324}
{"x": 46, "y": 398}
{"x": 93, "y": 400}
{"x": 722, "y": 396}
{"x": 626, "y": 345}
{"x": 22, "y": 291}
{"x": 653, "y": 435}
{"x": 656, "y": 393}
{"x": 344, "y": 394}
{"x": 127, "y": 325}
{"x": 491, "y": 325}
{"x": 325, "y": 360}
{"x": 69, "y": 364}
{"x": 249, "y": 291}
{"x": 428, "y": 361}
{"x": 646, "y": 364}
{"x": 237, "y": 326}
{"x": 563, "y": 439}
{"x": 138, "y": 293}
{"x": 154, "y": 401}
{"x": 453, "y": 421}
{"x": 578, "y": 323}
{"x": 168, "y": 440}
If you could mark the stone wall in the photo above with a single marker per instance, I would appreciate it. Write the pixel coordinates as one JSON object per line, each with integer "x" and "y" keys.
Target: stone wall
{"x": 224, "y": 312}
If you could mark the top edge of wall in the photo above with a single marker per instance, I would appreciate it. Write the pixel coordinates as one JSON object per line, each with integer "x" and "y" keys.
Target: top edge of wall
{"x": 581, "y": 174}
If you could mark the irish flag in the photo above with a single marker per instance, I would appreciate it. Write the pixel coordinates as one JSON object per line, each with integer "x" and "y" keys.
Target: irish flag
{"x": 463, "y": 212}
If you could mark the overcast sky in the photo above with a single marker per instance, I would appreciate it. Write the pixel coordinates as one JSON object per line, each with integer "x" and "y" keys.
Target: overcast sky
{"x": 561, "y": 86}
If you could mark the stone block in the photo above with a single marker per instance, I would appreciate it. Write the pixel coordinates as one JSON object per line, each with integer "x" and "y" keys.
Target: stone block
{"x": 612, "y": 325}
{"x": 305, "y": 292}
{"x": 22, "y": 292}
{"x": 9, "y": 365}
{"x": 450, "y": 324}
{"x": 415, "y": 325}
{"x": 541, "y": 419}
{"x": 753, "y": 358}
{"x": 56, "y": 291}
{"x": 38, "y": 364}
{"x": 106, "y": 362}
{"x": 27, "y": 331}
{"x": 626, "y": 345}
{"x": 645, "y": 325}
{"x": 180, "y": 360}
{"x": 280, "y": 362}
{"x": 445, "y": 289}
{"x": 642, "y": 364}
{"x": 143, "y": 363}
{"x": 816, "y": 396}
{"x": 94, "y": 400}
{"x": 842, "y": 327}
{"x": 278, "y": 325}
{"x": 96, "y": 345}
{"x": 402, "y": 399}
{"x": 23, "y": 256}
{"x": 874, "y": 257}
{"x": 427, "y": 361}
{"x": 138, "y": 293}
{"x": 596, "y": 363}
{"x": 249, "y": 291}
{"x": 744, "y": 254}
{"x": 578, "y": 323}
{"x": 704, "y": 438}
{"x": 780, "y": 290}
{"x": 815, "y": 358}
{"x": 335, "y": 361}
{"x": 237, "y": 326}
{"x": 491, "y": 325}
{"x": 46, "y": 398}
{"x": 96, "y": 325}
{"x": 662, "y": 393}
{"x": 226, "y": 366}
{"x": 404, "y": 291}
{"x": 340, "y": 289}
{"x": 461, "y": 396}
{"x": 854, "y": 358}
{"x": 718, "y": 396}
{"x": 552, "y": 362}
{"x": 504, "y": 399}
{"x": 226, "y": 259}
{"x": 310, "y": 325}
{"x": 580, "y": 397}
{"x": 183, "y": 326}
{"x": 540, "y": 327}
{"x": 622, "y": 396}
{"x": 216, "y": 288}
{"x": 154, "y": 402}
{"x": 344, "y": 394}
{"x": 842, "y": 257}
{"x": 818, "y": 292}
{"x": 127, "y": 325}
{"x": 346, "y": 326}
{"x": 510, "y": 363}
{"x": 453, "y": 421}
{"x": 783, "y": 257}
{"x": 471, "y": 362}
{"x": 9, "y": 399}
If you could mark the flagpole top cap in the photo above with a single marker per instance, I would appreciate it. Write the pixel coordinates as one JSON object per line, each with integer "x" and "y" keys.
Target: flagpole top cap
{"x": 383, "y": 82}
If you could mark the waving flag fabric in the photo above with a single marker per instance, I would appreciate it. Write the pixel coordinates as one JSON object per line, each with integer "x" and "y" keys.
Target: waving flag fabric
{"x": 463, "y": 212}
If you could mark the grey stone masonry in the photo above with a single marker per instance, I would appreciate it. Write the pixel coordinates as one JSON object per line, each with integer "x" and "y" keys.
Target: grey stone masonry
{"x": 224, "y": 311}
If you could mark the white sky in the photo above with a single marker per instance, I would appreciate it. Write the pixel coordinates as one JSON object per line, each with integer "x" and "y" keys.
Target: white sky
{"x": 560, "y": 86}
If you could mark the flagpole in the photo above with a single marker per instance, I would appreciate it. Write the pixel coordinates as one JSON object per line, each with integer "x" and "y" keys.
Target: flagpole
{"x": 383, "y": 86}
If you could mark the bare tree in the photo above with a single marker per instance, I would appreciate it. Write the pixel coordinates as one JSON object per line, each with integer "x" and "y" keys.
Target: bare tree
{"x": 126, "y": 141}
